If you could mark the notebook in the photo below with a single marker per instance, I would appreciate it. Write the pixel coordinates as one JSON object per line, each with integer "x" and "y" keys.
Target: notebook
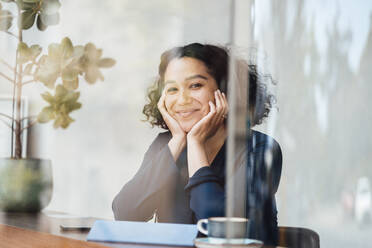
{"x": 143, "y": 232}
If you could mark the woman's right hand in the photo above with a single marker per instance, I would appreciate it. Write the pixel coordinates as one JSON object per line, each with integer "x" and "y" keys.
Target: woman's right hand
{"x": 172, "y": 124}
{"x": 178, "y": 141}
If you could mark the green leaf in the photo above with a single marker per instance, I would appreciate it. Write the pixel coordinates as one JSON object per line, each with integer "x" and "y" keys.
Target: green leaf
{"x": 92, "y": 73}
{"x": 26, "y": 6}
{"x": 22, "y": 47}
{"x": 67, "y": 47}
{"x": 28, "y": 69}
{"x": 75, "y": 106}
{"x": 62, "y": 120}
{"x": 35, "y": 51}
{"x": 47, "y": 71}
{"x": 6, "y": 19}
{"x": 28, "y": 19}
{"x": 60, "y": 91}
{"x": 71, "y": 97}
{"x": 57, "y": 122}
{"x": 71, "y": 106}
{"x": 24, "y": 53}
{"x": 106, "y": 62}
{"x": 50, "y": 7}
{"x": 54, "y": 51}
{"x": 63, "y": 109}
{"x": 70, "y": 74}
{"x": 47, "y": 75}
{"x": 47, "y": 114}
{"x": 92, "y": 52}
{"x": 66, "y": 122}
{"x": 78, "y": 51}
{"x": 48, "y": 81}
{"x": 40, "y": 25}
{"x": 47, "y": 97}
{"x": 71, "y": 84}
{"x": 31, "y": 1}
{"x": 49, "y": 20}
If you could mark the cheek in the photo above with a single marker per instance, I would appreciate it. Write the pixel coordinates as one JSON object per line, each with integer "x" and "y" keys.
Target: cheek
{"x": 169, "y": 102}
{"x": 205, "y": 98}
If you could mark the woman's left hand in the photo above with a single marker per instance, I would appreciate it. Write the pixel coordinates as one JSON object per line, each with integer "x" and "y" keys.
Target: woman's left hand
{"x": 210, "y": 123}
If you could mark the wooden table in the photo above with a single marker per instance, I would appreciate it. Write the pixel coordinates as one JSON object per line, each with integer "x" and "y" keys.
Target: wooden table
{"x": 42, "y": 230}
{"x": 22, "y": 230}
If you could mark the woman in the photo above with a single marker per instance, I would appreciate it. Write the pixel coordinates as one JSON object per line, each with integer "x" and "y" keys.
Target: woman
{"x": 182, "y": 177}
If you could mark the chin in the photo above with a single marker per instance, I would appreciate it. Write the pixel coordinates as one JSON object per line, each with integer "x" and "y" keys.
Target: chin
{"x": 186, "y": 127}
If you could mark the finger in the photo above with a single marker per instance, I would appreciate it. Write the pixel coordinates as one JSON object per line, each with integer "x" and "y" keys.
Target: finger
{"x": 224, "y": 95}
{"x": 218, "y": 100}
{"x": 207, "y": 119}
{"x": 213, "y": 115}
{"x": 226, "y": 104}
{"x": 224, "y": 108}
{"x": 221, "y": 109}
{"x": 212, "y": 108}
{"x": 162, "y": 108}
{"x": 161, "y": 99}
{"x": 220, "y": 106}
{"x": 223, "y": 101}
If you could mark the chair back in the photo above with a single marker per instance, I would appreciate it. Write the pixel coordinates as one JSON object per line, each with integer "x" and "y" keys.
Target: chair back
{"x": 298, "y": 237}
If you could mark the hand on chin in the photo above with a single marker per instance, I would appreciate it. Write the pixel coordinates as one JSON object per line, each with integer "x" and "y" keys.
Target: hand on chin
{"x": 187, "y": 126}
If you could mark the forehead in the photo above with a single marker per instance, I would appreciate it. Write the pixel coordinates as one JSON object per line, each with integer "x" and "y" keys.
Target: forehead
{"x": 181, "y": 68}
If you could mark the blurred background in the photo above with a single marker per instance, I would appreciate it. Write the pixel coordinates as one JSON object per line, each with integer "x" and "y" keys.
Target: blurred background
{"x": 318, "y": 52}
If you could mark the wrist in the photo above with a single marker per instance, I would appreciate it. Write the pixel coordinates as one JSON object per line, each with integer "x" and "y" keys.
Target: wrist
{"x": 179, "y": 139}
{"x": 194, "y": 141}
{"x": 176, "y": 146}
{"x": 196, "y": 155}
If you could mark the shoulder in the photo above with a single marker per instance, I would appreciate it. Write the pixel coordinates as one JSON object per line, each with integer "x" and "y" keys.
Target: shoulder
{"x": 164, "y": 137}
{"x": 158, "y": 143}
{"x": 267, "y": 147}
{"x": 161, "y": 140}
{"x": 259, "y": 144}
{"x": 259, "y": 139}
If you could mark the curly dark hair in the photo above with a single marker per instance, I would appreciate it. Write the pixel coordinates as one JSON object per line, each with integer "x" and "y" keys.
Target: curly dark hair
{"x": 216, "y": 60}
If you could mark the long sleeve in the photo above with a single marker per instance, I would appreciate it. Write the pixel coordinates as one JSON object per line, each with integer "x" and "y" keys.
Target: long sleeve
{"x": 263, "y": 176}
{"x": 141, "y": 196}
{"x": 260, "y": 181}
{"x": 207, "y": 195}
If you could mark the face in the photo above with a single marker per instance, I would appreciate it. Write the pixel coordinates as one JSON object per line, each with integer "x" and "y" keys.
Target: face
{"x": 188, "y": 88}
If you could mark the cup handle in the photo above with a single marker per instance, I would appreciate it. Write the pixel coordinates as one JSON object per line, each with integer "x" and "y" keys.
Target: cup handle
{"x": 200, "y": 227}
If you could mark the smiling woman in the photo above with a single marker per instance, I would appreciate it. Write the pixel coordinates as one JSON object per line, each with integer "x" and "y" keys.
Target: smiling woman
{"x": 182, "y": 177}
{"x": 188, "y": 90}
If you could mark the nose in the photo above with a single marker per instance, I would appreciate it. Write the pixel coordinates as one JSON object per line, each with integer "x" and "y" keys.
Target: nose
{"x": 184, "y": 97}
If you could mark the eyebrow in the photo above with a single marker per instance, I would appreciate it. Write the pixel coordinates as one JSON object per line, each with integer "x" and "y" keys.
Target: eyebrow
{"x": 196, "y": 76}
{"x": 188, "y": 78}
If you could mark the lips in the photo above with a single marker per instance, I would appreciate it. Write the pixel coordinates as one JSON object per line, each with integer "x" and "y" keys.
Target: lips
{"x": 186, "y": 113}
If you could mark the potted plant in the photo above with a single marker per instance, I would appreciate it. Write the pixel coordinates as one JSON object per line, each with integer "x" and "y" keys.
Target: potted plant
{"x": 26, "y": 183}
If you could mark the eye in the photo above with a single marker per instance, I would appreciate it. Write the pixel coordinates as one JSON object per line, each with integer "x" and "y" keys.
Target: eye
{"x": 196, "y": 85}
{"x": 171, "y": 89}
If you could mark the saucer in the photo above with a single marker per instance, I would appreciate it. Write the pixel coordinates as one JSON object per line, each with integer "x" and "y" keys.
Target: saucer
{"x": 220, "y": 242}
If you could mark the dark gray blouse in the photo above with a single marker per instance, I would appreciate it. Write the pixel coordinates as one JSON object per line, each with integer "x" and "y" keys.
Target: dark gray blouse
{"x": 162, "y": 187}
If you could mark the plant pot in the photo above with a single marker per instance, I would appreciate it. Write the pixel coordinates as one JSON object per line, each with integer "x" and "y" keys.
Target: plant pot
{"x": 26, "y": 185}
